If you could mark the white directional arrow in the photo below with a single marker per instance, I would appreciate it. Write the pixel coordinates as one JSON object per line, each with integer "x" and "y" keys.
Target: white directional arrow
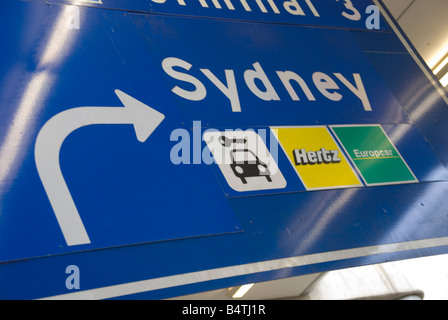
{"x": 57, "y": 129}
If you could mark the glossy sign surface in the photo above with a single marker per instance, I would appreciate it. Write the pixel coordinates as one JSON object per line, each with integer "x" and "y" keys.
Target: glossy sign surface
{"x": 114, "y": 122}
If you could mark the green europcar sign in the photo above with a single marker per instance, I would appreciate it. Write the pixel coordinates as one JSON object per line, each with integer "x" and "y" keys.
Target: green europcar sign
{"x": 373, "y": 154}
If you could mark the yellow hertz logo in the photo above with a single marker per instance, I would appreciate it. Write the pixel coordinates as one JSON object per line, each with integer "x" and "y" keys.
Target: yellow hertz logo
{"x": 302, "y": 157}
{"x": 316, "y": 157}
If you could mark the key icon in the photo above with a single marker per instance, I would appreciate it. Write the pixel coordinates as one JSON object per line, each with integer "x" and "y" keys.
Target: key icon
{"x": 226, "y": 142}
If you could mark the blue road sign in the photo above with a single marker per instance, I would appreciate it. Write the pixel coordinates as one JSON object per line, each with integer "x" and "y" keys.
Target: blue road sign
{"x": 166, "y": 154}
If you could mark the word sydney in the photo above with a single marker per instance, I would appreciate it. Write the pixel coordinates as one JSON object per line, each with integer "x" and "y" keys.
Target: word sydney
{"x": 260, "y": 84}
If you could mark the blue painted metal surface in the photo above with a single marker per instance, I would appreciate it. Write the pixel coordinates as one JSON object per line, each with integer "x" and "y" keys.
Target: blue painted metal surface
{"x": 130, "y": 196}
{"x": 338, "y": 13}
{"x": 137, "y": 201}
